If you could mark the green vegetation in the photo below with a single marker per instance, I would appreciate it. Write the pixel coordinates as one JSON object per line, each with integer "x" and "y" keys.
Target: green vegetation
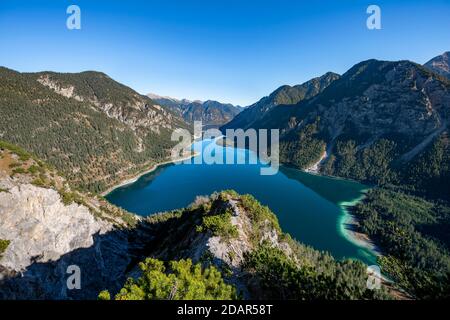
{"x": 410, "y": 217}
{"x": 304, "y": 273}
{"x": 429, "y": 173}
{"x": 3, "y": 246}
{"x": 22, "y": 154}
{"x": 303, "y": 148}
{"x": 176, "y": 280}
{"x": 373, "y": 164}
{"x": 219, "y": 225}
{"x": 414, "y": 234}
{"x": 91, "y": 149}
{"x": 281, "y": 278}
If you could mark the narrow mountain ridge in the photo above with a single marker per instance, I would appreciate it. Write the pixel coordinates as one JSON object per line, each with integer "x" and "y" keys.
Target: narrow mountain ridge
{"x": 285, "y": 95}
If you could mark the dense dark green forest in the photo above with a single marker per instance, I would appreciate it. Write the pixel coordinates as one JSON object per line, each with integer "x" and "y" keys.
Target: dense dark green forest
{"x": 414, "y": 236}
{"x": 92, "y": 149}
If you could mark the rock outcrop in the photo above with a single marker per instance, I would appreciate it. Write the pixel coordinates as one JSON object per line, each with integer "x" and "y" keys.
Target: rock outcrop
{"x": 440, "y": 64}
{"x": 50, "y": 227}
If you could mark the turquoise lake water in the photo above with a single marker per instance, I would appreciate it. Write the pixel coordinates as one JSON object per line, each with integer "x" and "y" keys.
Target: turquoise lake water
{"x": 308, "y": 206}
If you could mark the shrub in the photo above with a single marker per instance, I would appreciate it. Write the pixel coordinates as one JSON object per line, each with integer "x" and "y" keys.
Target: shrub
{"x": 219, "y": 225}
{"x": 176, "y": 280}
{"x": 3, "y": 246}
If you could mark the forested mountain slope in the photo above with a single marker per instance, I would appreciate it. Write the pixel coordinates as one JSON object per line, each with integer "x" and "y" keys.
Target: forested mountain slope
{"x": 238, "y": 236}
{"x": 386, "y": 124}
{"x": 285, "y": 95}
{"x": 87, "y": 125}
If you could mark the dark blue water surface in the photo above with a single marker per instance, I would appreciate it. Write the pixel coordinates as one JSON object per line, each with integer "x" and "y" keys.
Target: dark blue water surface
{"x": 307, "y": 206}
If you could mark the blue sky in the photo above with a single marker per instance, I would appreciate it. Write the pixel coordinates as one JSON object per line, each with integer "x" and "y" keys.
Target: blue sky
{"x": 229, "y": 50}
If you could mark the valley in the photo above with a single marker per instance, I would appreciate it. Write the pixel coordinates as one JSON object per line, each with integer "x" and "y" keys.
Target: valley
{"x": 85, "y": 173}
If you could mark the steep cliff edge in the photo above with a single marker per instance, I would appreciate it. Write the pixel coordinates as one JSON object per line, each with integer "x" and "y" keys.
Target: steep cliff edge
{"x": 49, "y": 226}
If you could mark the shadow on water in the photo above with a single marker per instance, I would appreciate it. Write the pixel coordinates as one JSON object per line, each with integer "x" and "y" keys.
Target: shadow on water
{"x": 335, "y": 190}
{"x": 309, "y": 207}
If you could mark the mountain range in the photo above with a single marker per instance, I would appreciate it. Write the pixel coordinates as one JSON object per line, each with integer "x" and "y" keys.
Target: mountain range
{"x": 384, "y": 123}
{"x": 401, "y": 107}
{"x": 211, "y": 113}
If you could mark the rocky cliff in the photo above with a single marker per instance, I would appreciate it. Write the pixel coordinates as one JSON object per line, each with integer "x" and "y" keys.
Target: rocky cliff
{"x": 48, "y": 227}
{"x": 440, "y": 64}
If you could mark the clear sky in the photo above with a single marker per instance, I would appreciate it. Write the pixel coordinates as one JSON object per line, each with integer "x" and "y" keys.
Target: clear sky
{"x": 229, "y": 50}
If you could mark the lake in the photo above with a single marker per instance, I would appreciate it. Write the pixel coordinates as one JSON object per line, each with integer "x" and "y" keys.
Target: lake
{"x": 308, "y": 207}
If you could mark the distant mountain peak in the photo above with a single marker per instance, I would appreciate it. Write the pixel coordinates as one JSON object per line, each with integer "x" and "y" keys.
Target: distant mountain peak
{"x": 440, "y": 64}
{"x": 212, "y": 113}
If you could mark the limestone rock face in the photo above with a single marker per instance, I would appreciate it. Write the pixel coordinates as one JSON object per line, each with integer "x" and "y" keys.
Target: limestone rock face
{"x": 46, "y": 237}
{"x": 41, "y": 228}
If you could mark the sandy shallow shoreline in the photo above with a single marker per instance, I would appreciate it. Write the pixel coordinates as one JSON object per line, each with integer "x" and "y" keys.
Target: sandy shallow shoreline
{"x": 349, "y": 227}
{"x": 143, "y": 173}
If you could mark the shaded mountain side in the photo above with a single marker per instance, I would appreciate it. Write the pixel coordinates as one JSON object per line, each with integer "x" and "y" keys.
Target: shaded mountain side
{"x": 211, "y": 113}
{"x": 386, "y": 124}
{"x": 440, "y": 64}
{"x": 93, "y": 129}
{"x": 372, "y": 124}
{"x": 49, "y": 226}
{"x": 285, "y": 95}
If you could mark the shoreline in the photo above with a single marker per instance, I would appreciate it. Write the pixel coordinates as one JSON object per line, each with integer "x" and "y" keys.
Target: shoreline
{"x": 349, "y": 225}
{"x": 143, "y": 173}
{"x": 315, "y": 167}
